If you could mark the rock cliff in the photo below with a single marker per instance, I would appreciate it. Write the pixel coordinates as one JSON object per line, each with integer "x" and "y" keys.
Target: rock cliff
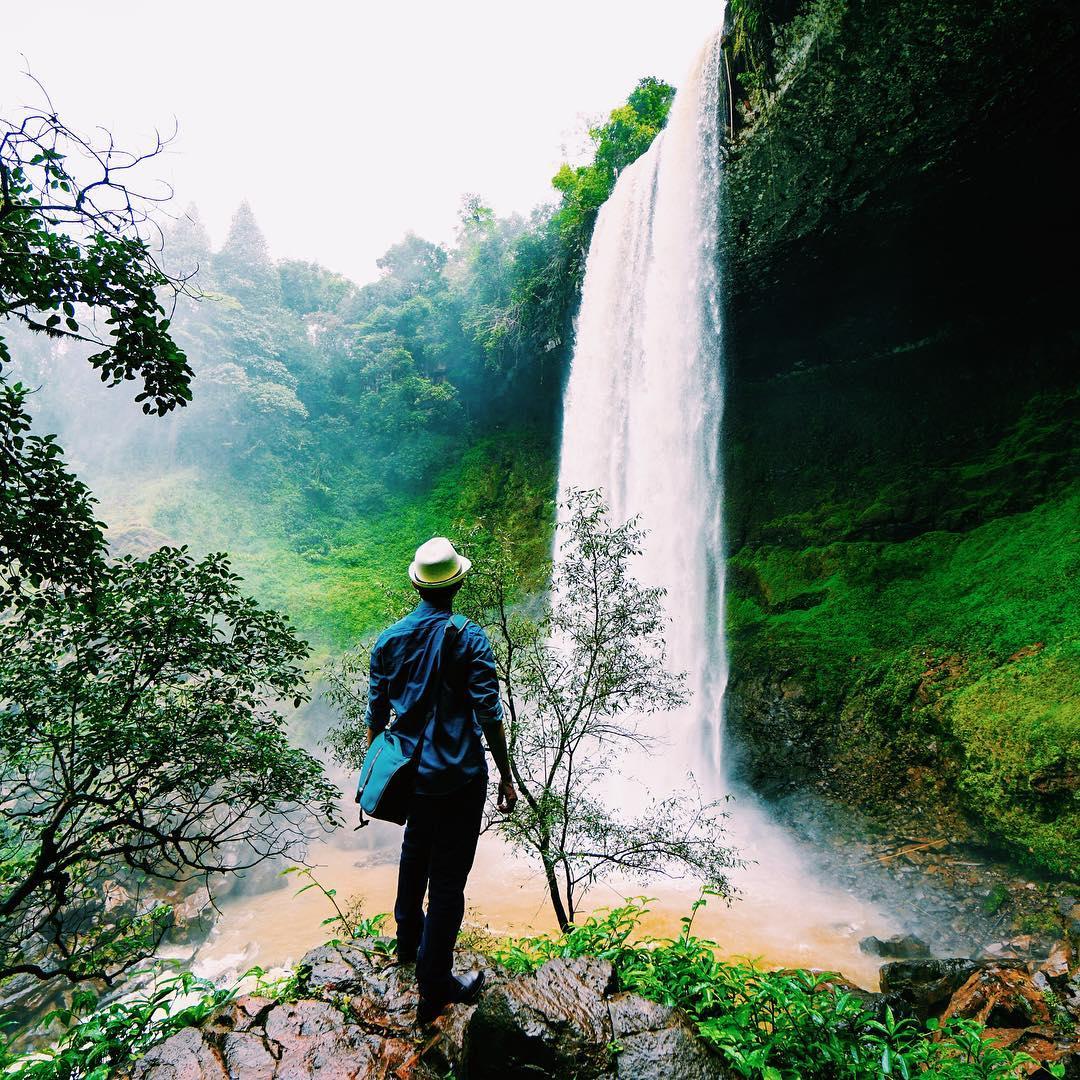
{"x": 901, "y": 431}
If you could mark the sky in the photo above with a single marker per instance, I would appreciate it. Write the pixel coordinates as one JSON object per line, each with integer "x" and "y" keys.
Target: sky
{"x": 345, "y": 125}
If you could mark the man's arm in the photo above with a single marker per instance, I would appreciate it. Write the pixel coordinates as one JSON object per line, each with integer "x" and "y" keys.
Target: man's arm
{"x": 378, "y": 704}
{"x": 487, "y": 707}
{"x": 496, "y": 740}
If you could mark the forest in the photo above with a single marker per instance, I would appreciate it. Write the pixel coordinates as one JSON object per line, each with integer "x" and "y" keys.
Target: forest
{"x": 216, "y": 463}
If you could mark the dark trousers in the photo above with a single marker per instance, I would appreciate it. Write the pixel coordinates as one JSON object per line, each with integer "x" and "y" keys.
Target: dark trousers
{"x": 436, "y": 856}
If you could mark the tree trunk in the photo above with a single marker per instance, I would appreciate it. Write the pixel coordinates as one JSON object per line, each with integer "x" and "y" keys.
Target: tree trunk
{"x": 556, "y": 895}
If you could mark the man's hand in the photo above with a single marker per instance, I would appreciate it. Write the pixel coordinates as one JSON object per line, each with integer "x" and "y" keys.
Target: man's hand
{"x": 507, "y": 797}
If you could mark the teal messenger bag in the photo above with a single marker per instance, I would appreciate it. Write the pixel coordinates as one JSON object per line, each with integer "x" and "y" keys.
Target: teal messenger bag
{"x": 388, "y": 775}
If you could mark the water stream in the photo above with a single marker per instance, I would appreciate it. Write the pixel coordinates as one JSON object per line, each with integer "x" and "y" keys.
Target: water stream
{"x": 644, "y": 399}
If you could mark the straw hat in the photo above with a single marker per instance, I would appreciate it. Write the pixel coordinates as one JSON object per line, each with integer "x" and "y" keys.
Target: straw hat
{"x": 437, "y": 565}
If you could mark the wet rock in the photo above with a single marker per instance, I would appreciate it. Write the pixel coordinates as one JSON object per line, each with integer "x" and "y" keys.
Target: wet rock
{"x": 899, "y": 946}
{"x": 1072, "y": 923}
{"x": 554, "y": 1022}
{"x": 254, "y": 1039}
{"x": 1044, "y": 1047}
{"x": 654, "y": 1042}
{"x": 1056, "y": 966}
{"x": 1070, "y": 998}
{"x": 1000, "y": 997}
{"x": 377, "y": 990}
{"x": 998, "y": 950}
{"x": 926, "y": 984}
{"x": 452, "y": 1028}
{"x": 183, "y": 1056}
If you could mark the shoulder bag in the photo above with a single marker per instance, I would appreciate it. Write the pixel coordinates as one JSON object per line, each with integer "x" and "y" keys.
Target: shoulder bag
{"x": 388, "y": 775}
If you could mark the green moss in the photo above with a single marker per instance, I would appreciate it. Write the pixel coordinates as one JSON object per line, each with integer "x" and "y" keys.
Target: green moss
{"x": 1019, "y": 729}
{"x": 907, "y": 647}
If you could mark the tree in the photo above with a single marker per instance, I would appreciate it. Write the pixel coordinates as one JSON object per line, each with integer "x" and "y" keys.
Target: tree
{"x": 243, "y": 265}
{"x": 72, "y": 248}
{"x": 140, "y": 745}
{"x": 626, "y": 135}
{"x": 187, "y": 244}
{"x": 580, "y": 680}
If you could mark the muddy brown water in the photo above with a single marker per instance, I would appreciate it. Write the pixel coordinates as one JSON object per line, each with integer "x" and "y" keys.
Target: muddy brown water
{"x": 781, "y": 915}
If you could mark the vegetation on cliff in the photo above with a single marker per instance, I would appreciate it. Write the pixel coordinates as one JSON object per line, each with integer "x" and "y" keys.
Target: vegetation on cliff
{"x": 902, "y": 425}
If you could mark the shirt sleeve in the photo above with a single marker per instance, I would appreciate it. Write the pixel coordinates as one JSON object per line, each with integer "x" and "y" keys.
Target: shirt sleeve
{"x": 378, "y": 705}
{"x": 484, "y": 680}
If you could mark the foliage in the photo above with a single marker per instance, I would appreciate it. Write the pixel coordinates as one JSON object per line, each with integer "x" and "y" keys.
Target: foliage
{"x": 580, "y": 679}
{"x": 756, "y": 37}
{"x": 327, "y": 411}
{"x": 548, "y": 259}
{"x": 770, "y": 1025}
{"x": 579, "y": 682}
{"x": 99, "y": 1041}
{"x": 72, "y": 250}
{"x": 140, "y": 745}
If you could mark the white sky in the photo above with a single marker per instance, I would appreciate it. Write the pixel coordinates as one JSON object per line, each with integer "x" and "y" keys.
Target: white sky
{"x": 346, "y": 124}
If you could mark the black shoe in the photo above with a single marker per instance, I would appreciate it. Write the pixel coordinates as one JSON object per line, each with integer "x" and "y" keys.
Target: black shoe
{"x": 462, "y": 990}
{"x": 405, "y": 956}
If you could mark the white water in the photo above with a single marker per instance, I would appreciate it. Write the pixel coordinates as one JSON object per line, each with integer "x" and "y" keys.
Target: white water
{"x": 642, "y": 422}
{"x": 643, "y": 402}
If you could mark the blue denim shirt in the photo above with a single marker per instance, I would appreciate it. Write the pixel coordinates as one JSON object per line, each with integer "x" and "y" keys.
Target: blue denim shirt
{"x": 403, "y": 664}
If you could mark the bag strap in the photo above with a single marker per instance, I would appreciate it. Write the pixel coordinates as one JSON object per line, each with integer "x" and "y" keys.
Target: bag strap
{"x": 457, "y": 624}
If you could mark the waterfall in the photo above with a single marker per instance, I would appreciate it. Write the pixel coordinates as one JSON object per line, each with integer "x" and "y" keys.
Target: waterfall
{"x": 643, "y": 402}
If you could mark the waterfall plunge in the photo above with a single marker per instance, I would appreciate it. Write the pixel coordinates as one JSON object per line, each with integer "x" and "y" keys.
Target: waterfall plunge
{"x": 644, "y": 398}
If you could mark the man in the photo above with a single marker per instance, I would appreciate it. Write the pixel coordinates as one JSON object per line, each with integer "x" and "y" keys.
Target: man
{"x": 409, "y": 664}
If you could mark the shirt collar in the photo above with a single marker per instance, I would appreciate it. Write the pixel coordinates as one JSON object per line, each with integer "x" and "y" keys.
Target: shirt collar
{"x": 426, "y": 607}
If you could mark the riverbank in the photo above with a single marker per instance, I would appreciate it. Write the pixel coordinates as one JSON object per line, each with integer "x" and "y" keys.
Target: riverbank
{"x": 591, "y": 1004}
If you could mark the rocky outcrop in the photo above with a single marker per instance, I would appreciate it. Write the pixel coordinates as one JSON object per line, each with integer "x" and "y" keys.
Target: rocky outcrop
{"x": 926, "y": 985}
{"x": 357, "y": 1018}
{"x": 900, "y": 424}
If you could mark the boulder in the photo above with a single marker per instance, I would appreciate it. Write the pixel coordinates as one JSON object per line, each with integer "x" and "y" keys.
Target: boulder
{"x": 1000, "y": 997}
{"x": 255, "y": 1039}
{"x": 1057, "y": 964}
{"x": 654, "y": 1042}
{"x": 183, "y": 1056}
{"x": 377, "y": 990}
{"x": 566, "y": 1019}
{"x": 554, "y": 1022}
{"x": 898, "y": 947}
{"x": 926, "y": 985}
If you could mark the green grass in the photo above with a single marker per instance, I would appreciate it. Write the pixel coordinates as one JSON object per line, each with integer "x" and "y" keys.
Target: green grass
{"x": 333, "y": 575}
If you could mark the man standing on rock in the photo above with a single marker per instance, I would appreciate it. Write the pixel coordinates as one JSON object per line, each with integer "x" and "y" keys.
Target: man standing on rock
{"x": 409, "y": 662}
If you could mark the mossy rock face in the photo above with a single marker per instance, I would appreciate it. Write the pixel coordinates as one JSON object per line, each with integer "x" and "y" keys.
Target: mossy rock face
{"x": 902, "y": 425}
{"x": 1019, "y": 731}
